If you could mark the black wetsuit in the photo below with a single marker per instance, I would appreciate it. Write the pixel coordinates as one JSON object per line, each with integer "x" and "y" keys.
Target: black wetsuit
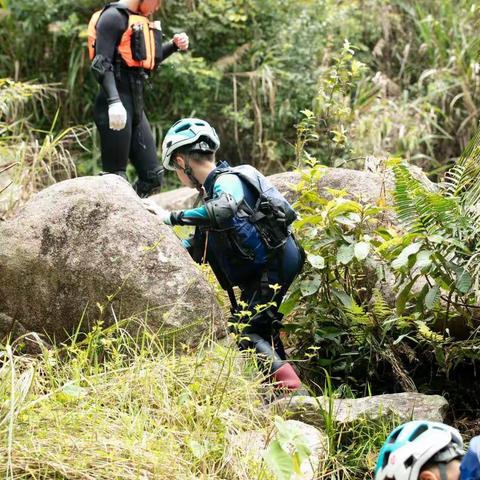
{"x": 120, "y": 82}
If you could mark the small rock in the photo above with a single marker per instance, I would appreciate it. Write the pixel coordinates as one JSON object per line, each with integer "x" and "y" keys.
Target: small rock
{"x": 404, "y": 406}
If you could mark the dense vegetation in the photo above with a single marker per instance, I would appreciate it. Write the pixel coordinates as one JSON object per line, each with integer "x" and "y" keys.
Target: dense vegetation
{"x": 254, "y": 65}
{"x": 288, "y": 83}
{"x": 377, "y": 299}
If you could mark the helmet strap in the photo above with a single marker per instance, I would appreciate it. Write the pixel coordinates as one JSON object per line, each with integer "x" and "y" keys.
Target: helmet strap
{"x": 443, "y": 471}
{"x": 189, "y": 173}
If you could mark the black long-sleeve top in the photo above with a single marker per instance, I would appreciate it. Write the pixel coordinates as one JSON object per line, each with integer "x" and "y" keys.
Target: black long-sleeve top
{"x": 110, "y": 28}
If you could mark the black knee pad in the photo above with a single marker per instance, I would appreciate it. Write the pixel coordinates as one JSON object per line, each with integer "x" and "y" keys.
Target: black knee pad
{"x": 152, "y": 184}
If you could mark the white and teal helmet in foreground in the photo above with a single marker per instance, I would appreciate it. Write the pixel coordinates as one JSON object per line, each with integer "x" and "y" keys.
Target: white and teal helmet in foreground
{"x": 189, "y": 131}
{"x": 414, "y": 444}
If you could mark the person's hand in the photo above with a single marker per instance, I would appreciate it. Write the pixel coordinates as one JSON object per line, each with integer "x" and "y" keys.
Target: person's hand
{"x": 181, "y": 41}
{"x": 117, "y": 116}
{"x": 152, "y": 207}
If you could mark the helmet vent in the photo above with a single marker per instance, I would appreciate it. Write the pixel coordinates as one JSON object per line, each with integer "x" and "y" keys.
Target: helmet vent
{"x": 183, "y": 128}
{"x": 385, "y": 459}
{"x": 418, "y": 432}
{"x": 394, "y": 435}
{"x": 409, "y": 461}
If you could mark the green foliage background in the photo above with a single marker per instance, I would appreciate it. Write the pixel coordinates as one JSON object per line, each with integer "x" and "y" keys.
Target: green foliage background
{"x": 255, "y": 64}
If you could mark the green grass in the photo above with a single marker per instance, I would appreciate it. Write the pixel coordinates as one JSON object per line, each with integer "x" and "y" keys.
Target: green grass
{"x": 109, "y": 406}
{"x": 106, "y": 408}
{"x": 31, "y": 159}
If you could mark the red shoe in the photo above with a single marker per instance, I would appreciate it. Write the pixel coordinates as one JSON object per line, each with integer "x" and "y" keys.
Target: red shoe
{"x": 286, "y": 378}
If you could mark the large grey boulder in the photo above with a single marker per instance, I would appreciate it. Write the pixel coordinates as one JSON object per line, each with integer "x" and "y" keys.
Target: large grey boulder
{"x": 178, "y": 199}
{"x": 345, "y": 412}
{"x": 86, "y": 249}
{"x": 361, "y": 185}
{"x": 248, "y": 450}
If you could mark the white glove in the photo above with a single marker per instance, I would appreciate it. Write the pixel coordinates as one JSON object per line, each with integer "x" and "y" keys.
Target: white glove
{"x": 152, "y": 207}
{"x": 117, "y": 116}
{"x": 181, "y": 41}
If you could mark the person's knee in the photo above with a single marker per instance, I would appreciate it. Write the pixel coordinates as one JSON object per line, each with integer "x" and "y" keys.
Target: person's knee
{"x": 150, "y": 183}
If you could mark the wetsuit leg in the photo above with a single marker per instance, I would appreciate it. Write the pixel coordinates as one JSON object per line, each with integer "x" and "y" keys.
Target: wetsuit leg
{"x": 263, "y": 329}
{"x": 262, "y": 334}
{"x": 257, "y": 291}
{"x": 266, "y": 324}
{"x": 143, "y": 155}
{"x": 115, "y": 144}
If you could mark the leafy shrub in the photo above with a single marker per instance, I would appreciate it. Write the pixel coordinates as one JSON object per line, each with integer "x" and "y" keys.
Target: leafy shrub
{"x": 344, "y": 318}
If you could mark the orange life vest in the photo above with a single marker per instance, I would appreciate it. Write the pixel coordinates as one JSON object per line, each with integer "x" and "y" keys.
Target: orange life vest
{"x": 139, "y": 43}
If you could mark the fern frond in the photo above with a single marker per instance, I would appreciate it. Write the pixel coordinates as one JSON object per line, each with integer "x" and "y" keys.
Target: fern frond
{"x": 463, "y": 180}
{"x": 358, "y": 316}
{"x": 381, "y": 310}
{"x": 405, "y": 191}
{"x": 420, "y": 210}
{"x": 426, "y": 333}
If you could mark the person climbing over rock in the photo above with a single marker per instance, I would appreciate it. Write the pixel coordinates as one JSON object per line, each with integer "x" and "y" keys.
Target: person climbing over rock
{"x": 125, "y": 48}
{"x": 243, "y": 232}
{"x": 427, "y": 450}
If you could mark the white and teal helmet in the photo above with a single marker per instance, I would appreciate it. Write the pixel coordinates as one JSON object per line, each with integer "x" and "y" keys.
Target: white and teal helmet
{"x": 189, "y": 131}
{"x": 412, "y": 445}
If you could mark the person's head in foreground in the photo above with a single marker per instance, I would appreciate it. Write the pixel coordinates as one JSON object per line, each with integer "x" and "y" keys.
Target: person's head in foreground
{"x": 421, "y": 450}
{"x": 189, "y": 149}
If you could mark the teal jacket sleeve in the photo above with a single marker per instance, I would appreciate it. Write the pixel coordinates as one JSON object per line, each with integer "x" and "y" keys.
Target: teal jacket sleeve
{"x": 226, "y": 183}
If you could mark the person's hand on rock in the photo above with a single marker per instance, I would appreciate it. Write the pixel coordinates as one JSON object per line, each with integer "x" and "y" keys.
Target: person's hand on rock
{"x": 152, "y": 207}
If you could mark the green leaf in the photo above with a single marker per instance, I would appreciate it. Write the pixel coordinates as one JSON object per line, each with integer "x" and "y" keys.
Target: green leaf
{"x": 316, "y": 261}
{"x": 310, "y": 286}
{"x": 347, "y": 300}
{"x": 402, "y": 297}
{"x": 402, "y": 259}
{"x": 432, "y": 297}
{"x": 350, "y": 220}
{"x": 279, "y": 461}
{"x": 464, "y": 281}
{"x": 361, "y": 249}
{"x": 290, "y": 303}
{"x": 345, "y": 254}
{"x": 420, "y": 298}
{"x": 424, "y": 259}
{"x": 344, "y": 207}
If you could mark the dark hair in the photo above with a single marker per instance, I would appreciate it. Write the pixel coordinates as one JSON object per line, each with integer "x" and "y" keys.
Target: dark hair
{"x": 430, "y": 465}
{"x": 197, "y": 157}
